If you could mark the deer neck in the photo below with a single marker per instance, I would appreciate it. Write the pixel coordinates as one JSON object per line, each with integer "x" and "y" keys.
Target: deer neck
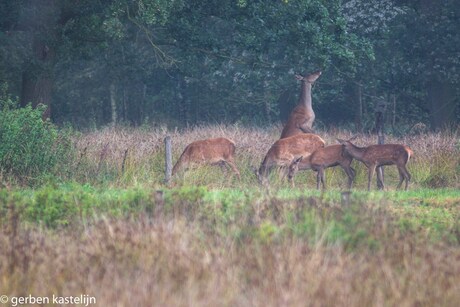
{"x": 356, "y": 152}
{"x": 305, "y": 95}
{"x": 262, "y": 170}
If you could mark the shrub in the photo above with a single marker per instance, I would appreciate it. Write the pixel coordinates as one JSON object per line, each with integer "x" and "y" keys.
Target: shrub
{"x": 30, "y": 147}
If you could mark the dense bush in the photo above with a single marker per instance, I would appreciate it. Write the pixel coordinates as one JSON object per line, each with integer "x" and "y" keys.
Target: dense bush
{"x": 30, "y": 148}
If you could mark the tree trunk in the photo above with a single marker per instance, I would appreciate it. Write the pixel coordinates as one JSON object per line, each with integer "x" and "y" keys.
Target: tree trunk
{"x": 37, "y": 77}
{"x": 185, "y": 108}
{"x": 37, "y": 90}
{"x": 113, "y": 103}
{"x": 442, "y": 101}
{"x": 379, "y": 128}
{"x": 441, "y": 94}
{"x": 393, "y": 119}
{"x": 142, "y": 110}
{"x": 267, "y": 106}
{"x": 359, "y": 111}
{"x": 39, "y": 18}
{"x": 353, "y": 91}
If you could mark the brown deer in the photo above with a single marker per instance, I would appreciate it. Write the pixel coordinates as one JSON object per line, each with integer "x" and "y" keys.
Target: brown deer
{"x": 218, "y": 151}
{"x": 284, "y": 151}
{"x": 374, "y": 156}
{"x": 302, "y": 117}
{"x": 321, "y": 159}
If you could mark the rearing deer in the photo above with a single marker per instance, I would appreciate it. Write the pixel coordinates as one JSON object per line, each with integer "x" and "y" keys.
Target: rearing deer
{"x": 284, "y": 151}
{"x": 302, "y": 117}
{"x": 374, "y": 156}
{"x": 218, "y": 151}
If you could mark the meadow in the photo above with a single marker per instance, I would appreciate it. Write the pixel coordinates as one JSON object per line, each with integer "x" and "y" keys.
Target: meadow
{"x": 104, "y": 224}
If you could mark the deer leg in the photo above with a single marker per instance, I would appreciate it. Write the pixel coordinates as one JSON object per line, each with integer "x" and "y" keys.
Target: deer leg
{"x": 323, "y": 177}
{"x": 406, "y": 175}
{"x": 401, "y": 177}
{"x": 350, "y": 174}
{"x": 369, "y": 176}
{"x": 306, "y": 126}
{"x": 291, "y": 178}
{"x": 223, "y": 167}
{"x": 318, "y": 178}
{"x": 282, "y": 172}
{"x": 291, "y": 181}
{"x": 234, "y": 168}
{"x": 380, "y": 183}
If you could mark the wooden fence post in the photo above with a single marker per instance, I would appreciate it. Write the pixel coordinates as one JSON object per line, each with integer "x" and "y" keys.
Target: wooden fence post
{"x": 168, "y": 159}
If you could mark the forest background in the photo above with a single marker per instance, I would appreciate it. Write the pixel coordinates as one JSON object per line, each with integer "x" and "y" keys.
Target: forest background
{"x": 177, "y": 63}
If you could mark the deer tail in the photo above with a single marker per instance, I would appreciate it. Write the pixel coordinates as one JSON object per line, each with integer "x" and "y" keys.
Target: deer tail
{"x": 410, "y": 153}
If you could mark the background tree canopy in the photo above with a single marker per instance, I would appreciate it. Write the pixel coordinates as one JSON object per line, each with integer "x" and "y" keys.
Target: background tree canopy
{"x": 177, "y": 62}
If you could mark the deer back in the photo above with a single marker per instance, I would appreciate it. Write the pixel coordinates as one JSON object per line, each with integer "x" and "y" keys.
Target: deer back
{"x": 387, "y": 153}
{"x": 300, "y": 145}
{"x": 210, "y": 149}
{"x": 330, "y": 155}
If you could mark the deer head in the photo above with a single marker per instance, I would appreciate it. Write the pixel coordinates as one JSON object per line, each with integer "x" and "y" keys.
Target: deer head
{"x": 347, "y": 144}
{"x": 310, "y": 78}
{"x": 344, "y": 142}
{"x": 259, "y": 176}
{"x": 294, "y": 167}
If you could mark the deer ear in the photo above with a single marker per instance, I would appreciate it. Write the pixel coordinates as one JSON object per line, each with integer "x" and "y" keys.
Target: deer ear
{"x": 298, "y": 77}
{"x": 295, "y": 161}
{"x": 353, "y": 137}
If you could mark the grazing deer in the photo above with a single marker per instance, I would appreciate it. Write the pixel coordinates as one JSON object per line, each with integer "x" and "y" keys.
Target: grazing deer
{"x": 218, "y": 151}
{"x": 284, "y": 151}
{"x": 321, "y": 159}
{"x": 374, "y": 156}
{"x": 302, "y": 117}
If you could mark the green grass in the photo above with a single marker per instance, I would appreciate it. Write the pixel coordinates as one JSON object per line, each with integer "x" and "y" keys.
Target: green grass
{"x": 425, "y": 213}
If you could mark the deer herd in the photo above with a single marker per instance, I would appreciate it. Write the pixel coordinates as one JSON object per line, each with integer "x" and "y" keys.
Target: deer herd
{"x": 299, "y": 148}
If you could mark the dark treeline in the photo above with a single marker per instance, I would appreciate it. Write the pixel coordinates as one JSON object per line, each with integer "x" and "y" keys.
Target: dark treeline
{"x": 178, "y": 62}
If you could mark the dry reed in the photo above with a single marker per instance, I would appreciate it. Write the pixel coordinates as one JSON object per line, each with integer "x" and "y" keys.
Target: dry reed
{"x": 436, "y": 160}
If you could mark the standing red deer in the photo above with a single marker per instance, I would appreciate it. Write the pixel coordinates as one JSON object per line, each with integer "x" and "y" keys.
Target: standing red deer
{"x": 218, "y": 151}
{"x": 321, "y": 159}
{"x": 284, "y": 151}
{"x": 302, "y": 117}
{"x": 374, "y": 156}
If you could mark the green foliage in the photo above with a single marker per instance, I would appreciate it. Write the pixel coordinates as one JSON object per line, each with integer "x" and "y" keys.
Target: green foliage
{"x": 52, "y": 207}
{"x": 30, "y": 148}
{"x": 186, "y": 62}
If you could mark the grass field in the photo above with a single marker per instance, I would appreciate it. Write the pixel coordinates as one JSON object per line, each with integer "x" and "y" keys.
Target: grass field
{"x": 105, "y": 225}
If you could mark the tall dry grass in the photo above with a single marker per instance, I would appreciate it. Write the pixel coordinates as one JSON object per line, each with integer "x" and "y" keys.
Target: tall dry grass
{"x": 172, "y": 262}
{"x": 140, "y": 153}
